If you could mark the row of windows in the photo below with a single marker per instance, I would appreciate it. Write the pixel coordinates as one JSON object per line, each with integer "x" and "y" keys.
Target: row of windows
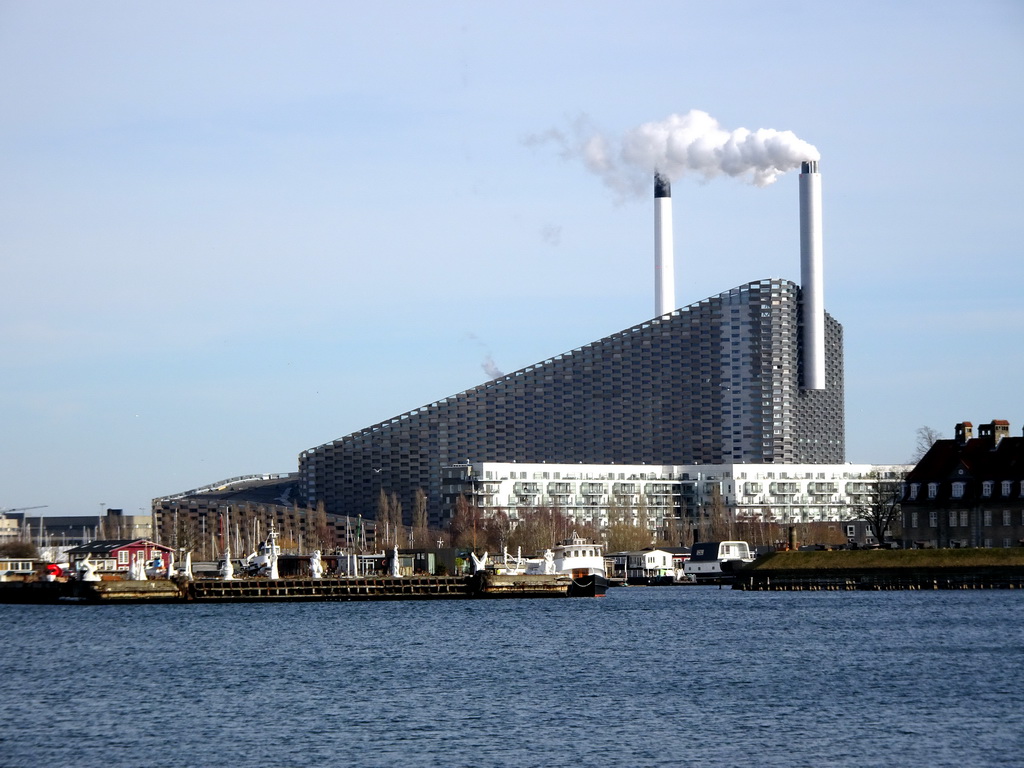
{"x": 961, "y": 518}
{"x": 958, "y": 488}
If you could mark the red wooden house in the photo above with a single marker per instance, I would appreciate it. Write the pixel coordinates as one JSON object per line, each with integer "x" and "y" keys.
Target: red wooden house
{"x": 117, "y": 554}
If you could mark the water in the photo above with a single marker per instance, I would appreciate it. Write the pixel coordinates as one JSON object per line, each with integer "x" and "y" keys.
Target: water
{"x": 643, "y": 677}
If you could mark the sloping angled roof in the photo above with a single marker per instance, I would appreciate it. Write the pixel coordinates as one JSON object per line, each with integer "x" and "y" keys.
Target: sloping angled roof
{"x": 283, "y": 491}
{"x": 980, "y": 457}
{"x": 106, "y": 546}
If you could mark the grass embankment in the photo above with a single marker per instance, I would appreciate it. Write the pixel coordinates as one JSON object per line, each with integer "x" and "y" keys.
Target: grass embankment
{"x": 859, "y": 560}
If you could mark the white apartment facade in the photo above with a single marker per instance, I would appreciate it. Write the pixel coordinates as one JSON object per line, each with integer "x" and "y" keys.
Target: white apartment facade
{"x": 589, "y": 493}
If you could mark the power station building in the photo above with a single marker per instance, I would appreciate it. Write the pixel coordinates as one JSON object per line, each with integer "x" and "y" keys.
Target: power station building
{"x": 753, "y": 375}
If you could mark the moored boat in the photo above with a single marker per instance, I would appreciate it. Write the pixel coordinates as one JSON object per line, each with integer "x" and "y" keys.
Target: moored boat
{"x": 579, "y": 559}
{"x": 717, "y": 560}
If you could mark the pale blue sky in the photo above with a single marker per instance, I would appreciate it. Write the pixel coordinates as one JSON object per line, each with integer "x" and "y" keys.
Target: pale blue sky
{"x": 230, "y": 231}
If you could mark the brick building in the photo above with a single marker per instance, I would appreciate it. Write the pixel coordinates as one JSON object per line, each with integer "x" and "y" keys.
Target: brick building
{"x": 967, "y": 491}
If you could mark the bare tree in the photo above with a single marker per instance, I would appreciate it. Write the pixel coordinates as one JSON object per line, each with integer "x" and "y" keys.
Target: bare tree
{"x": 758, "y": 527}
{"x": 320, "y": 533}
{"x": 19, "y": 549}
{"x": 588, "y": 530}
{"x": 389, "y": 520}
{"x": 383, "y": 513}
{"x": 622, "y": 534}
{"x": 722, "y": 525}
{"x": 397, "y": 521}
{"x": 538, "y": 529}
{"x": 882, "y": 509}
{"x": 672, "y": 533}
{"x": 926, "y": 437}
{"x": 715, "y": 521}
{"x": 643, "y": 517}
{"x": 499, "y": 530}
{"x": 421, "y": 533}
{"x": 187, "y": 536}
{"x": 465, "y": 525}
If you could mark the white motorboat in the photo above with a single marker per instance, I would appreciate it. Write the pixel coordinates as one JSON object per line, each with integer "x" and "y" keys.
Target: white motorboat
{"x": 578, "y": 558}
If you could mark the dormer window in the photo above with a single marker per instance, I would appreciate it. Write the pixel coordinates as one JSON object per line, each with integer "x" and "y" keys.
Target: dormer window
{"x": 933, "y": 490}
{"x": 913, "y": 490}
{"x": 1007, "y": 487}
{"x": 986, "y": 488}
{"x": 958, "y": 490}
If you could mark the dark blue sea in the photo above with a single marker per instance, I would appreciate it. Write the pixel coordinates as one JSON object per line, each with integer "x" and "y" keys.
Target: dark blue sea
{"x": 656, "y": 676}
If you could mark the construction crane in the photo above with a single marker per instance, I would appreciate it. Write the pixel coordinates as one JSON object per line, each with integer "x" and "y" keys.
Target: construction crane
{"x": 21, "y": 509}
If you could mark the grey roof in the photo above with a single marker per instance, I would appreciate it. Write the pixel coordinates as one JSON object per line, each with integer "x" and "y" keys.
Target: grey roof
{"x": 278, "y": 490}
{"x": 106, "y": 546}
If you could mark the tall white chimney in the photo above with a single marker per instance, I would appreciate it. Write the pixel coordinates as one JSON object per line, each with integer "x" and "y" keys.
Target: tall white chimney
{"x": 664, "y": 267}
{"x": 811, "y": 278}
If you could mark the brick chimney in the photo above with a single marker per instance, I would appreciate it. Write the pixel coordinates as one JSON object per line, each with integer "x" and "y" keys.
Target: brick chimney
{"x": 995, "y": 431}
{"x": 964, "y": 432}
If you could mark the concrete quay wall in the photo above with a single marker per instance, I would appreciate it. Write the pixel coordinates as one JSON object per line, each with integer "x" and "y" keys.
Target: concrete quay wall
{"x": 481, "y": 585}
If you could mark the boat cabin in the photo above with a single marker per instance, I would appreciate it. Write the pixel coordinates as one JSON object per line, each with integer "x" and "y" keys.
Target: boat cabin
{"x": 721, "y": 550}
{"x": 16, "y": 568}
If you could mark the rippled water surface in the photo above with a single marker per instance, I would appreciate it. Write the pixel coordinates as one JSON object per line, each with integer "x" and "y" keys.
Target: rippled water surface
{"x": 643, "y": 677}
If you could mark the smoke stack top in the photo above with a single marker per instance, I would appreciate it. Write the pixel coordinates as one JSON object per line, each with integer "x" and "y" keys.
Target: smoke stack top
{"x": 662, "y": 186}
{"x": 693, "y": 144}
{"x": 664, "y": 259}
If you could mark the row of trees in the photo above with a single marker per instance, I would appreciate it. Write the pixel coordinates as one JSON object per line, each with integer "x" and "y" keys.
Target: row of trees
{"x": 19, "y": 549}
{"x": 537, "y": 528}
{"x": 391, "y": 528}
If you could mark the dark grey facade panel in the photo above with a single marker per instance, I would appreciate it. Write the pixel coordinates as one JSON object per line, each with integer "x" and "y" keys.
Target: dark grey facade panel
{"x": 714, "y": 382}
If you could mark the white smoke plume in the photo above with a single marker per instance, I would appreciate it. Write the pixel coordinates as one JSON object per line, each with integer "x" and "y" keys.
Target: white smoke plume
{"x": 684, "y": 145}
{"x": 491, "y": 368}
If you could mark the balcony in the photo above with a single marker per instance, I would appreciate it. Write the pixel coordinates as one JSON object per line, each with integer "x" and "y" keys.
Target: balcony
{"x": 822, "y": 489}
{"x": 659, "y": 489}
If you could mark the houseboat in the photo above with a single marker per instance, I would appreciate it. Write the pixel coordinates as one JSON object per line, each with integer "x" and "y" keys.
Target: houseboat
{"x": 717, "y": 560}
{"x": 578, "y": 558}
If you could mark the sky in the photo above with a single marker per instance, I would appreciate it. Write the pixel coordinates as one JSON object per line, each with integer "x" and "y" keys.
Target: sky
{"x": 232, "y": 231}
